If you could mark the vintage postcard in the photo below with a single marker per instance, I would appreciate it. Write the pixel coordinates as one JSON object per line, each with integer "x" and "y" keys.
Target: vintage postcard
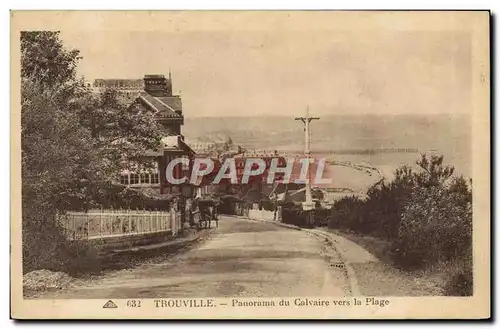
{"x": 250, "y": 164}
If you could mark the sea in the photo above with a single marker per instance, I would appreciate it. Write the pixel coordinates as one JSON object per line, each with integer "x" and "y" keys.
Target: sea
{"x": 384, "y": 141}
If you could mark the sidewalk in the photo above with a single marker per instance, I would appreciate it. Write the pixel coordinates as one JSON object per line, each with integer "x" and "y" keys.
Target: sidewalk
{"x": 190, "y": 236}
{"x": 351, "y": 252}
{"x": 377, "y": 276}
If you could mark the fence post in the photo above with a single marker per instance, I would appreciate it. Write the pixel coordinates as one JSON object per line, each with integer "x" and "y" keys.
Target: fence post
{"x": 139, "y": 221}
{"x": 136, "y": 221}
{"x": 109, "y": 221}
{"x": 155, "y": 216}
{"x": 129, "y": 223}
{"x": 158, "y": 224}
{"x": 144, "y": 221}
{"x": 100, "y": 223}
{"x": 176, "y": 222}
{"x": 153, "y": 220}
{"x": 115, "y": 215}
{"x": 121, "y": 215}
{"x": 146, "y": 215}
{"x": 172, "y": 221}
{"x": 158, "y": 219}
{"x": 88, "y": 225}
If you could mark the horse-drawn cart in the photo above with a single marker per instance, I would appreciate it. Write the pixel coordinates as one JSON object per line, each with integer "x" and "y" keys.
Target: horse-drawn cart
{"x": 204, "y": 212}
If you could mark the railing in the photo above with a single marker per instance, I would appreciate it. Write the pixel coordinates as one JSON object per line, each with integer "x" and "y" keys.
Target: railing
{"x": 106, "y": 223}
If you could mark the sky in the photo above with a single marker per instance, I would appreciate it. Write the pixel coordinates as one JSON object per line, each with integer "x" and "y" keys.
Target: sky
{"x": 272, "y": 71}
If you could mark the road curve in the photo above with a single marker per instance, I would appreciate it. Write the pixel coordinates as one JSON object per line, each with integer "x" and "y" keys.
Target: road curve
{"x": 241, "y": 258}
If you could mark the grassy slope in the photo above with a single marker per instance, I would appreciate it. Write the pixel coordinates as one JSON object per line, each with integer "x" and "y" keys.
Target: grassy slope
{"x": 390, "y": 280}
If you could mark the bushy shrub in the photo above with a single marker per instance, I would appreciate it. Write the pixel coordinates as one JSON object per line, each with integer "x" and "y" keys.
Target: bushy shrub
{"x": 293, "y": 214}
{"x": 347, "y": 213}
{"x": 46, "y": 247}
{"x": 322, "y": 217}
{"x": 435, "y": 226}
{"x": 380, "y": 213}
{"x": 266, "y": 204}
{"x": 43, "y": 242}
{"x": 460, "y": 284}
{"x": 426, "y": 214}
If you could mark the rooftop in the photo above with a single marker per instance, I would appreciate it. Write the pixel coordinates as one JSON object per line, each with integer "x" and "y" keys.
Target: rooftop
{"x": 165, "y": 106}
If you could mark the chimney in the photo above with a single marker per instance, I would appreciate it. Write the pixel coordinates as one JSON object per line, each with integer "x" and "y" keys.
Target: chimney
{"x": 157, "y": 85}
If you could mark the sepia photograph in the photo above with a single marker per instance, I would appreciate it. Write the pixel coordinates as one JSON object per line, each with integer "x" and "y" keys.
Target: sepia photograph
{"x": 250, "y": 164}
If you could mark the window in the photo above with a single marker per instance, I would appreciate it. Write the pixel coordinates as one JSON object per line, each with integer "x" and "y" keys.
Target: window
{"x": 144, "y": 178}
{"x": 185, "y": 165}
{"x": 134, "y": 179}
{"x": 154, "y": 179}
{"x": 124, "y": 179}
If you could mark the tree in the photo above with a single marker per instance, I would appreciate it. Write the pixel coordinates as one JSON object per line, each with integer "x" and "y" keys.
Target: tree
{"x": 121, "y": 132}
{"x": 382, "y": 211}
{"x": 52, "y": 141}
{"x": 45, "y": 59}
{"x": 73, "y": 141}
{"x": 435, "y": 226}
{"x": 433, "y": 173}
{"x": 56, "y": 152}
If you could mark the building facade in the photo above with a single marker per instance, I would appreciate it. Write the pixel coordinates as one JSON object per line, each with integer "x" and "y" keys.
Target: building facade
{"x": 154, "y": 93}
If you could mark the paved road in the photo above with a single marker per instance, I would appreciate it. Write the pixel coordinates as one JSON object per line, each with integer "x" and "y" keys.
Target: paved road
{"x": 241, "y": 258}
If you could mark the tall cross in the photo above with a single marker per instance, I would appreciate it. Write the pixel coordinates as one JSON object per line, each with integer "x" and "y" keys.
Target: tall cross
{"x": 308, "y": 205}
{"x": 307, "y": 120}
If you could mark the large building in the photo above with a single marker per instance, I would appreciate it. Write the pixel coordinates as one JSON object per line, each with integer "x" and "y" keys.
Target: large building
{"x": 154, "y": 93}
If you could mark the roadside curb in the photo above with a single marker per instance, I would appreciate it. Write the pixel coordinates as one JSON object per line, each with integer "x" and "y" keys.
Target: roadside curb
{"x": 172, "y": 243}
{"x": 293, "y": 227}
{"x": 176, "y": 244}
{"x": 350, "y": 273}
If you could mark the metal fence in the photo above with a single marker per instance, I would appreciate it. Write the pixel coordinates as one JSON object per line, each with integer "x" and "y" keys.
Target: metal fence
{"x": 110, "y": 223}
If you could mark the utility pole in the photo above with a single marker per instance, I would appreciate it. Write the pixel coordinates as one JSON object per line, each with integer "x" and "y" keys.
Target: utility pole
{"x": 308, "y": 205}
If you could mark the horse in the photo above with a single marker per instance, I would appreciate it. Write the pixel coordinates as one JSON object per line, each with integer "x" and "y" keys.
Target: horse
{"x": 215, "y": 213}
{"x": 208, "y": 213}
